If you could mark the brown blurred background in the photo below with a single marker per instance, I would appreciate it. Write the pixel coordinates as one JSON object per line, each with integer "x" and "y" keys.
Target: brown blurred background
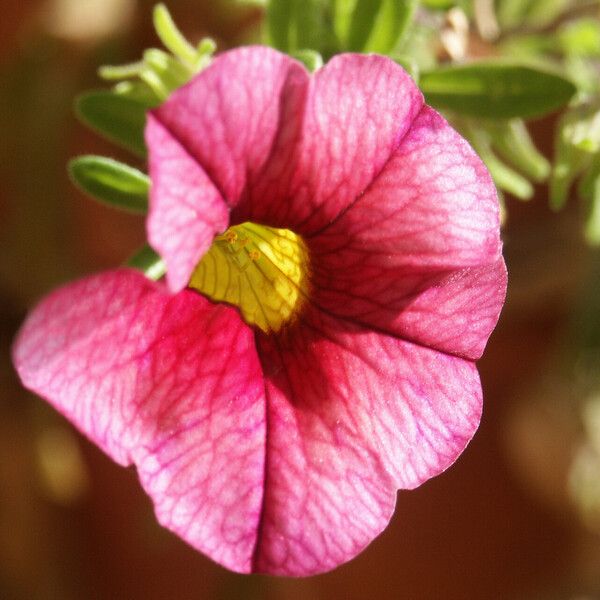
{"x": 500, "y": 524}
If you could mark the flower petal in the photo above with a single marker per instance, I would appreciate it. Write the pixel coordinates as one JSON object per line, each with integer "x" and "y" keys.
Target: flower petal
{"x": 452, "y": 311}
{"x": 353, "y": 415}
{"x": 356, "y": 113}
{"x": 419, "y": 254}
{"x": 433, "y": 207}
{"x": 208, "y": 143}
{"x": 169, "y": 383}
{"x": 186, "y": 210}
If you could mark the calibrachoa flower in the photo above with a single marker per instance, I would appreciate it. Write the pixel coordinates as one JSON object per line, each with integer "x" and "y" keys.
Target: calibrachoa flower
{"x": 334, "y": 269}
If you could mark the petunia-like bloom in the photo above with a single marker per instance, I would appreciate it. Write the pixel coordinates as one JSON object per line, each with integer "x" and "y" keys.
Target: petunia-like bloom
{"x": 334, "y": 269}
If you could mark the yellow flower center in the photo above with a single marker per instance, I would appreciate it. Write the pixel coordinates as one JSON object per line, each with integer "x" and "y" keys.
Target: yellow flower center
{"x": 261, "y": 270}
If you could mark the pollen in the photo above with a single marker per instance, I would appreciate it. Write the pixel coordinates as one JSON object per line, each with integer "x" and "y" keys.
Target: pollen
{"x": 261, "y": 270}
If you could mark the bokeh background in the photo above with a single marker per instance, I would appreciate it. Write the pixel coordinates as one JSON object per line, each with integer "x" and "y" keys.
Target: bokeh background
{"x": 518, "y": 516}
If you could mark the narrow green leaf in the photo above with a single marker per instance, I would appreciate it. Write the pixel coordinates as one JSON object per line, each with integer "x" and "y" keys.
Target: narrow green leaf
{"x": 527, "y": 45}
{"x": 117, "y": 72}
{"x": 585, "y": 189}
{"x": 504, "y": 177}
{"x": 313, "y": 27}
{"x": 148, "y": 262}
{"x": 279, "y": 20}
{"x": 204, "y": 51}
{"x": 510, "y": 13}
{"x": 139, "y": 91}
{"x": 581, "y": 128}
{"x": 172, "y": 71}
{"x": 342, "y": 16}
{"x": 592, "y": 223}
{"x": 171, "y": 37}
{"x": 496, "y": 90}
{"x": 542, "y": 13}
{"x": 117, "y": 117}
{"x": 392, "y": 21}
{"x": 573, "y": 154}
{"x": 111, "y": 182}
{"x": 361, "y": 23}
{"x": 514, "y": 144}
{"x": 441, "y": 4}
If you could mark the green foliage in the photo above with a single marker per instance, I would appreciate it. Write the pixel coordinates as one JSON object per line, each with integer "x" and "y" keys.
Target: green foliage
{"x": 111, "y": 182}
{"x": 332, "y": 26}
{"x": 580, "y": 37}
{"x": 116, "y": 117}
{"x": 514, "y": 144}
{"x": 506, "y": 178}
{"x": 295, "y": 25}
{"x": 496, "y": 90}
{"x": 148, "y": 262}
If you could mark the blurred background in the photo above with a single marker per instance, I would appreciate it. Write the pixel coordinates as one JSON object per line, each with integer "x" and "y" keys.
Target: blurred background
{"x": 518, "y": 516}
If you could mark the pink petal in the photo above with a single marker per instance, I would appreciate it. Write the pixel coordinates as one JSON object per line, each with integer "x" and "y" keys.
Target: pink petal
{"x": 278, "y": 147}
{"x": 451, "y": 311}
{"x": 356, "y": 113}
{"x": 186, "y": 210}
{"x": 169, "y": 383}
{"x": 419, "y": 254}
{"x": 353, "y": 415}
{"x": 209, "y": 142}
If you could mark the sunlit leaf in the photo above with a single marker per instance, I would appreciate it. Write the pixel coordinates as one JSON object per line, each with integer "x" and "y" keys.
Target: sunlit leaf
{"x": 115, "y": 116}
{"x": 514, "y": 144}
{"x": 496, "y": 90}
{"x": 111, "y": 182}
{"x": 171, "y": 37}
{"x": 504, "y": 177}
{"x": 392, "y": 21}
{"x": 279, "y": 19}
{"x": 148, "y": 262}
{"x": 592, "y": 223}
{"x": 581, "y": 37}
{"x": 569, "y": 162}
{"x": 581, "y": 129}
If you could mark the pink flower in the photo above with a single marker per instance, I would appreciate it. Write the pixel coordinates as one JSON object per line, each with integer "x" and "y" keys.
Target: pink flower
{"x": 278, "y": 446}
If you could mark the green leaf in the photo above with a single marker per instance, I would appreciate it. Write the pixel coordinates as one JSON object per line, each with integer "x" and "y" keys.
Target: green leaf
{"x": 514, "y": 144}
{"x": 111, "y": 182}
{"x": 139, "y": 91}
{"x": 148, "y": 262}
{"x": 279, "y": 20}
{"x": 504, "y": 177}
{"x": 510, "y": 13}
{"x": 581, "y": 129}
{"x": 496, "y": 90}
{"x": 441, "y": 4}
{"x": 295, "y": 25}
{"x": 118, "y": 72}
{"x": 171, "y": 37}
{"x": 528, "y": 45}
{"x": 569, "y": 163}
{"x": 585, "y": 189}
{"x": 542, "y": 13}
{"x": 592, "y": 223}
{"x": 362, "y": 23}
{"x": 392, "y": 21}
{"x": 580, "y": 37}
{"x": 117, "y": 117}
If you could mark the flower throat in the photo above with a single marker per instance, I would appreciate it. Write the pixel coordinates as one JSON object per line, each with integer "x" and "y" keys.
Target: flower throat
{"x": 261, "y": 270}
